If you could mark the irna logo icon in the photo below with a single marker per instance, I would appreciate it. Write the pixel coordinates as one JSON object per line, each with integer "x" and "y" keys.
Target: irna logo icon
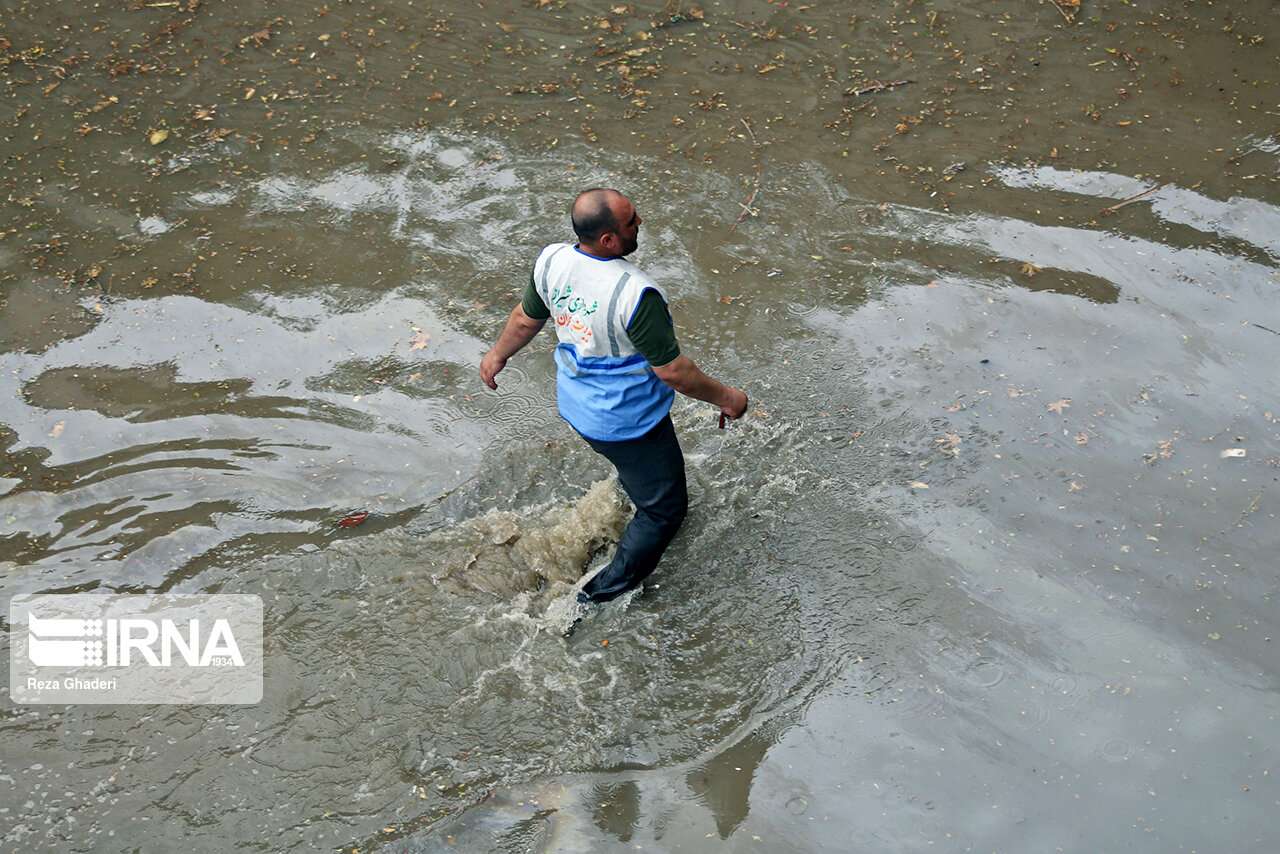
{"x": 64, "y": 643}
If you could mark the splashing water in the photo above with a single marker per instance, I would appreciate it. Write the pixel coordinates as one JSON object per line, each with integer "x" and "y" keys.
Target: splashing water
{"x": 543, "y": 549}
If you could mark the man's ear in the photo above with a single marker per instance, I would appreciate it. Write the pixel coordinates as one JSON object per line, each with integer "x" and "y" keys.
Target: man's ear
{"x": 609, "y": 240}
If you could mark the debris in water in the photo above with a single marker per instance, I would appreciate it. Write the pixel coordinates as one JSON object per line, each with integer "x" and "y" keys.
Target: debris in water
{"x": 746, "y": 208}
{"x": 878, "y": 87}
{"x": 353, "y": 520}
{"x": 1117, "y": 207}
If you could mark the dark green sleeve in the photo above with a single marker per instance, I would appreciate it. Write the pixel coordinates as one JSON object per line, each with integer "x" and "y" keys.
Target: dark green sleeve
{"x": 652, "y": 331}
{"x": 532, "y": 304}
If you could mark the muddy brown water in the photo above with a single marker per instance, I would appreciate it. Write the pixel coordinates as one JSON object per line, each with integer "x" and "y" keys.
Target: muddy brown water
{"x": 973, "y": 575}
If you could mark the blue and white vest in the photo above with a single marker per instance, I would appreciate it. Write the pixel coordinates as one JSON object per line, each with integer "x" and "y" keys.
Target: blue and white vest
{"x": 605, "y": 388}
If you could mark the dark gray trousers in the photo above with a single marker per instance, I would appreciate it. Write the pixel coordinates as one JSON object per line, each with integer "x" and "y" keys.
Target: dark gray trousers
{"x": 651, "y": 470}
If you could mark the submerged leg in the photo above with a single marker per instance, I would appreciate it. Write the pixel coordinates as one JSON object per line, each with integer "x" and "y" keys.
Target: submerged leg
{"x": 651, "y": 470}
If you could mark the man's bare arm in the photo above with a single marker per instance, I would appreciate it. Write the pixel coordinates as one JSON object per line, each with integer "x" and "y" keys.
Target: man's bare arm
{"x": 688, "y": 379}
{"x": 519, "y": 331}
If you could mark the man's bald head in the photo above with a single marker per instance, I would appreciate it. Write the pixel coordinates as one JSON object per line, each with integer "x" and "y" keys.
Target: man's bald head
{"x": 593, "y": 213}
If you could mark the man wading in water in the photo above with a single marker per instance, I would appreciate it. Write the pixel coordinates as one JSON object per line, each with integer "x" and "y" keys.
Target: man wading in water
{"x": 617, "y": 364}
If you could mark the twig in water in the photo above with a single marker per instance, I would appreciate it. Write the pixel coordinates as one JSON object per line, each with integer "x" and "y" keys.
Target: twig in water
{"x": 746, "y": 208}
{"x": 879, "y": 87}
{"x": 1117, "y": 207}
{"x": 1069, "y": 17}
{"x": 1260, "y": 326}
{"x": 1253, "y": 505}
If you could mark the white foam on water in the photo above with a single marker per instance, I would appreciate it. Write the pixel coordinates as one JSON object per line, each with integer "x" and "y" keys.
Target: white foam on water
{"x": 563, "y": 611}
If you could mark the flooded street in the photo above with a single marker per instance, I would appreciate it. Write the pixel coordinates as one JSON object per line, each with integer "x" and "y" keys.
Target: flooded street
{"x": 989, "y": 565}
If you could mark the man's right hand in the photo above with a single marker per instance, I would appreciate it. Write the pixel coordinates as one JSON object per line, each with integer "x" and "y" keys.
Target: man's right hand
{"x": 737, "y": 406}
{"x": 688, "y": 379}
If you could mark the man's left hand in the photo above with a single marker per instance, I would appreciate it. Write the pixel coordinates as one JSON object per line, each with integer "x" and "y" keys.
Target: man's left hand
{"x": 490, "y": 365}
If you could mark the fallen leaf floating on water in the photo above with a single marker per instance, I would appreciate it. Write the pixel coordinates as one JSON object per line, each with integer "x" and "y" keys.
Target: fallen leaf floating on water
{"x": 159, "y": 136}
{"x": 57, "y": 429}
{"x": 1030, "y": 269}
{"x": 353, "y": 520}
{"x": 419, "y": 340}
{"x": 1059, "y": 405}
